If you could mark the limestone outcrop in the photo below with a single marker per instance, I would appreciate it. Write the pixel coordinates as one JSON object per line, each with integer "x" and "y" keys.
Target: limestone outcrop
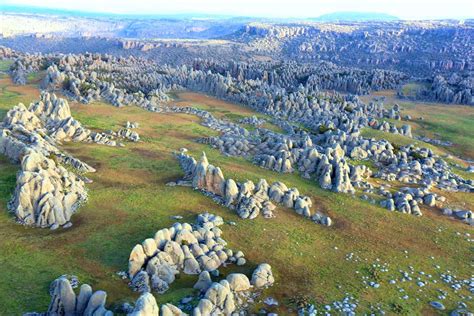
{"x": 46, "y": 194}
{"x": 191, "y": 249}
{"x": 247, "y": 198}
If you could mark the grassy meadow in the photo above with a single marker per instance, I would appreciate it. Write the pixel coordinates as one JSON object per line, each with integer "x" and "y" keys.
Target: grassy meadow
{"x": 447, "y": 122}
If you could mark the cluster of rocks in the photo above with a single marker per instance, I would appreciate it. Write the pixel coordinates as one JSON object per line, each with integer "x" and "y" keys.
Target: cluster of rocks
{"x": 252, "y": 120}
{"x": 154, "y": 264}
{"x": 437, "y": 142}
{"x": 422, "y": 166}
{"x": 65, "y": 302}
{"x": 108, "y": 138}
{"x": 405, "y": 46}
{"x": 407, "y": 199}
{"x": 457, "y": 88}
{"x": 23, "y": 65}
{"x": 196, "y": 250}
{"x": 297, "y": 153}
{"x": 82, "y": 77}
{"x": 128, "y": 134}
{"x": 330, "y": 168}
{"x": 111, "y": 138}
{"x": 248, "y": 199}
{"x": 287, "y": 92}
{"x": 466, "y": 216}
{"x": 46, "y": 194}
{"x": 232, "y": 293}
{"x": 388, "y": 127}
{"x": 235, "y": 82}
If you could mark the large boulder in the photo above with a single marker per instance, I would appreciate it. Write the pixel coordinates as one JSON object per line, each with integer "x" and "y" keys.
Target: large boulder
{"x": 262, "y": 276}
{"x": 145, "y": 306}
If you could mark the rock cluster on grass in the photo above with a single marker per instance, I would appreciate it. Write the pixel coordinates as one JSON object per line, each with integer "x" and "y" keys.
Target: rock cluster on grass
{"x": 247, "y": 198}
{"x": 230, "y": 295}
{"x": 388, "y": 127}
{"x": 65, "y": 302}
{"x": 108, "y": 138}
{"x": 195, "y": 250}
{"x": 111, "y": 138}
{"x": 464, "y": 215}
{"x": 422, "y": 166}
{"x": 407, "y": 199}
{"x": 46, "y": 194}
{"x": 225, "y": 297}
{"x": 296, "y": 153}
{"x": 252, "y": 120}
{"x": 457, "y": 88}
{"x": 128, "y": 134}
{"x": 316, "y": 123}
{"x": 154, "y": 264}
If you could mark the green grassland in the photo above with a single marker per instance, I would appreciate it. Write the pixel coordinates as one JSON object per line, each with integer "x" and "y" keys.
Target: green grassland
{"x": 129, "y": 201}
{"x": 452, "y": 123}
{"x": 5, "y": 65}
{"x": 412, "y": 89}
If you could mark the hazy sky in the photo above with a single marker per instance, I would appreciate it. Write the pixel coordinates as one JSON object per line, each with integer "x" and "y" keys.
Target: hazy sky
{"x": 406, "y": 9}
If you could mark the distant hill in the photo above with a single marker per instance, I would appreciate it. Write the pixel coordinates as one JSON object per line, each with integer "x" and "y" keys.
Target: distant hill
{"x": 86, "y": 14}
{"x": 355, "y": 17}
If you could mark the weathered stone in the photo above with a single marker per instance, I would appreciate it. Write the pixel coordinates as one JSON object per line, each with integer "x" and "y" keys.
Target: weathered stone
{"x": 262, "y": 276}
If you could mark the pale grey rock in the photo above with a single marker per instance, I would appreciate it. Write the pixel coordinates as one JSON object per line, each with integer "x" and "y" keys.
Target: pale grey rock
{"x": 145, "y": 306}
{"x": 262, "y": 276}
{"x": 136, "y": 260}
{"x": 204, "y": 281}
{"x": 238, "y": 282}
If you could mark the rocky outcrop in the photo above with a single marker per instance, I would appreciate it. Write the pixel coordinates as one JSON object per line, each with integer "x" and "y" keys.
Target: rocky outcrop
{"x": 191, "y": 249}
{"x": 252, "y": 120}
{"x": 262, "y": 277}
{"x": 65, "y": 301}
{"x": 463, "y": 215}
{"x": 247, "y": 198}
{"x": 225, "y": 297}
{"x": 457, "y": 88}
{"x": 196, "y": 250}
{"x": 146, "y": 306}
{"x": 415, "y": 165}
{"x": 46, "y": 194}
{"x": 128, "y": 132}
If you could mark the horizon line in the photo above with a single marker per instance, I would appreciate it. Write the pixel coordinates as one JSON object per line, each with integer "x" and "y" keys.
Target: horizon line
{"x": 12, "y": 8}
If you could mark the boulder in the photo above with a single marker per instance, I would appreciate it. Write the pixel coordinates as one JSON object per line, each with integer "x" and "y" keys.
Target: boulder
{"x": 238, "y": 282}
{"x": 262, "y": 276}
{"x": 145, "y": 306}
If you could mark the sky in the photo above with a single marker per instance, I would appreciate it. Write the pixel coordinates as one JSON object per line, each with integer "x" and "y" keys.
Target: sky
{"x": 405, "y": 9}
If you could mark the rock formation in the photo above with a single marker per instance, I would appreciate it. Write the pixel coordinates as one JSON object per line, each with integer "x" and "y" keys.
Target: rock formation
{"x": 185, "y": 248}
{"x": 46, "y": 193}
{"x": 247, "y": 198}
